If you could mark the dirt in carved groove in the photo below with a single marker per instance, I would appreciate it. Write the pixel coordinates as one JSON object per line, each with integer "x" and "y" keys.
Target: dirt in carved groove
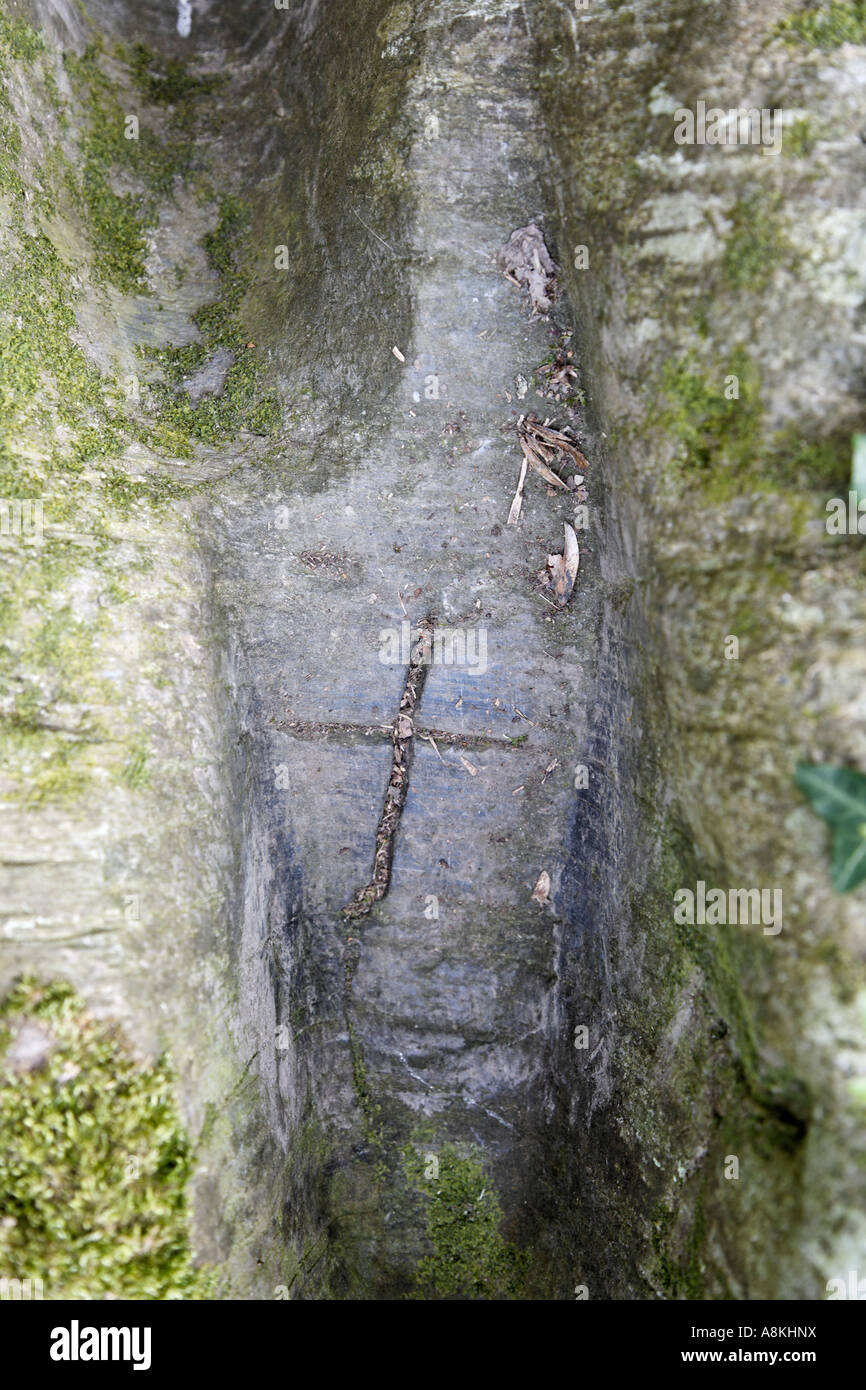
{"x": 403, "y": 735}
{"x": 310, "y": 729}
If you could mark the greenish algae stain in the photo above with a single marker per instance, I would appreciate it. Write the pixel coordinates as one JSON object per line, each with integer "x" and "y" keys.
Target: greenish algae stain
{"x": 756, "y": 244}
{"x": 166, "y": 81}
{"x": 717, "y": 422}
{"x": 64, "y": 423}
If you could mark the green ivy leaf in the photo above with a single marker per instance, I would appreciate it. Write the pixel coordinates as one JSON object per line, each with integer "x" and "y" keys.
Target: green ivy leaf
{"x": 839, "y": 795}
{"x": 849, "y": 857}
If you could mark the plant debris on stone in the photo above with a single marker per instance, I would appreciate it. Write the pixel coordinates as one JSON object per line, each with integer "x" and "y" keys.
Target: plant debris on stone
{"x": 526, "y": 262}
{"x": 325, "y": 560}
{"x": 403, "y": 736}
{"x": 551, "y": 447}
{"x": 517, "y": 503}
{"x": 562, "y": 569}
{"x": 552, "y": 454}
{"x": 541, "y": 891}
{"x": 560, "y": 378}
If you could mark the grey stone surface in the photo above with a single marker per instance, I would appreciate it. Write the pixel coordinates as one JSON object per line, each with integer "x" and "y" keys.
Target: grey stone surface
{"x": 202, "y": 907}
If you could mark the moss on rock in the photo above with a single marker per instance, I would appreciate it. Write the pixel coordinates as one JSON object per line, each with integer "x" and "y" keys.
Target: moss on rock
{"x": 470, "y": 1258}
{"x": 827, "y": 26}
{"x": 242, "y": 403}
{"x": 94, "y": 1162}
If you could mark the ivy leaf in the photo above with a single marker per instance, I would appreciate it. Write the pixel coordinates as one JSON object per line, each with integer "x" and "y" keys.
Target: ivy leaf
{"x": 839, "y": 795}
{"x": 849, "y": 856}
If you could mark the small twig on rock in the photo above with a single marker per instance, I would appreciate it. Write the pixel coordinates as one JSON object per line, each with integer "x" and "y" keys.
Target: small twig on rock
{"x": 403, "y": 736}
{"x": 517, "y": 502}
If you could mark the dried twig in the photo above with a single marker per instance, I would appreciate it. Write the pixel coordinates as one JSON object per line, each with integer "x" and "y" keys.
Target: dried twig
{"x": 372, "y": 233}
{"x": 403, "y": 735}
{"x": 428, "y": 738}
{"x": 517, "y": 503}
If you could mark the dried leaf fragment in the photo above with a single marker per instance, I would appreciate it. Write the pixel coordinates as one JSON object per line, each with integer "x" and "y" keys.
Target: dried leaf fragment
{"x": 541, "y": 891}
{"x": 563, "y": 568}
{"x": 534, "y": 458}
{"x": 526, "y": 261}
{"x": 551, "y": 453}
{"x": 544, "y": 438}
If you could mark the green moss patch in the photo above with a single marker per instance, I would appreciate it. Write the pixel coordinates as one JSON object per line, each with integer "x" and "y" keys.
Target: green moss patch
{"x": 809, "y": 456}
{"x": 470, "y": 1257}
{"x": 756, "y": 244}
{"x": 57, "y": 414}
{"x": 11, "y": 182}
{"x": 242, "y": 403}
{"x": 94, "y": 1163}
{"x": 827, "y": 26}
{"x": 723, "y": 444}
{"x": 800, "y": 139}
{"x": 718, "y": 437}
{"x": 118, "y": 221}
{"x": 43, "y": 373}
{"x": 20, "y": 40}
{"x": 64, "y": 424}
{"x": 166, "y": 81}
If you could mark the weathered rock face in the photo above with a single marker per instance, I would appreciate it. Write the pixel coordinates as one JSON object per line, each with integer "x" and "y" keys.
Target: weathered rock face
{"x": 716, "y": 270}
{"x": 247, "y": 493}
